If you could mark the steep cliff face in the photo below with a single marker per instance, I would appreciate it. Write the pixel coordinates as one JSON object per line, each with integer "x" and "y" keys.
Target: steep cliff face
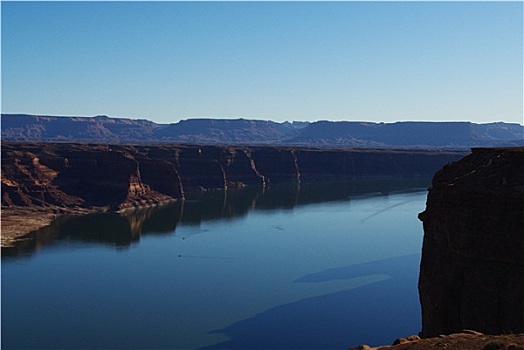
{"x": 472, "y": 268}
{"x": 118, "y": 176}
{"x": 43, "y": 175}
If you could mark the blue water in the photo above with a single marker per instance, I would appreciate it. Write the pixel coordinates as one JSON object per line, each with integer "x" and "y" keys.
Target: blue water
{"x": 317, "y": 266}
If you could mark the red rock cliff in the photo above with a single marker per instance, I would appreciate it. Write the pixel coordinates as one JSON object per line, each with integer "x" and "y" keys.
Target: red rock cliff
{"x": 472, "y": 268}
{"x": 119, "y": 176}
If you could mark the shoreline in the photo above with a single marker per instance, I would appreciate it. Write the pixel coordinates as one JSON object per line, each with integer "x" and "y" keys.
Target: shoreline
{"x": 19, "y": 222}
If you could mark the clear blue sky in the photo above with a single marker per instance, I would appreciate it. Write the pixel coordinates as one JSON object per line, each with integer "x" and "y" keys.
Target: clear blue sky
{"x": 167, "y": 61}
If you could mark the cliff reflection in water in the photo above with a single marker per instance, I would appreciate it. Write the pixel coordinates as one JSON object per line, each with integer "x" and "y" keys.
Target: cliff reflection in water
{"x": 123, "y": 229}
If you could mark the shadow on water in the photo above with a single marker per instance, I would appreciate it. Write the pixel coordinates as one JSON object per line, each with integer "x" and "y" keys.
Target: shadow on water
{"x": 342, "y": 319}
{"x": 123, "y": 229}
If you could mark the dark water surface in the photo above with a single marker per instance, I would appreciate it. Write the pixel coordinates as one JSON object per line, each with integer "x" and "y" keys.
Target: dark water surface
{"x": 324, "y": 266}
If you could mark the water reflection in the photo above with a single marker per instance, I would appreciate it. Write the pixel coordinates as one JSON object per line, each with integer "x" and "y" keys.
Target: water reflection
{"x": 123, "y": 229}
{"x": 238, "y": 269}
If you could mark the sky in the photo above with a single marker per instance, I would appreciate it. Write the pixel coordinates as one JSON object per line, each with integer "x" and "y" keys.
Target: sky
{"x": 281, "y": 61}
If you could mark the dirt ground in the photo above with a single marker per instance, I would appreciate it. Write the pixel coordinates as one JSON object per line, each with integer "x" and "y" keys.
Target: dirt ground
{"x": 469, "y": 340}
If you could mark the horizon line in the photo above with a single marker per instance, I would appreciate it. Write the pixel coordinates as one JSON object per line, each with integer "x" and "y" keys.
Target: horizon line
{"x": 263, "y": 119}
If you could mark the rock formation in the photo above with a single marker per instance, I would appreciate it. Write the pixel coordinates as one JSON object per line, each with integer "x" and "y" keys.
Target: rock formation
{"x": 118, "y": 176}
{"x": 465, "y": 340}
{"x": 472, "y": 268}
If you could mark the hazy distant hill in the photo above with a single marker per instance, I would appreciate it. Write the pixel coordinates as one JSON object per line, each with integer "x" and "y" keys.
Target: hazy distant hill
{"x": 22, "y": 127}
{"x": 459, "y": 135}
{"x": 236, "y": 131}
{"x": 407, "y": 134}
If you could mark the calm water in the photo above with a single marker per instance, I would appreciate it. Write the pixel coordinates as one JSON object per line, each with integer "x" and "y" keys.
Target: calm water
{"x": 328, "y": 266}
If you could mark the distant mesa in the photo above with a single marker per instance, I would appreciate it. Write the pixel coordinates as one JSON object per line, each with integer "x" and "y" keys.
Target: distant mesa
{"x": 322, "y": 134}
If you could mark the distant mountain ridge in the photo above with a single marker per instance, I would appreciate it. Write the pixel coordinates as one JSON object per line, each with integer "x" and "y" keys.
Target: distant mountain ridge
{"x": 420, "y": 134}
{"x": 322, "y": 134}
{"x": 236, "y": 131}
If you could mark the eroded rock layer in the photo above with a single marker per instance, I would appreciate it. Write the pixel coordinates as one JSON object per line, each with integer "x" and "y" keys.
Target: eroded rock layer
{"x": 119, "y": 176}
{"x": 472, "y": 268}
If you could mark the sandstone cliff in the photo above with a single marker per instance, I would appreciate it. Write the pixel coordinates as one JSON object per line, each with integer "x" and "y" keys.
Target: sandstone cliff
{"x": 40, "y": 180}
{"x": 472, "y": 268}
{"x": 118, "y": 176}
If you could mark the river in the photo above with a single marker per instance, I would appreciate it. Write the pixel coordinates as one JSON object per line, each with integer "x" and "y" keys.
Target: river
{"x": 309, "y": 266}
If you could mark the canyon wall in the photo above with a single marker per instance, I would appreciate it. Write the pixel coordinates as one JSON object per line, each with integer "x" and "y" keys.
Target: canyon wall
{"x": 472, "y": 268}
{"x": 120, "y": 176}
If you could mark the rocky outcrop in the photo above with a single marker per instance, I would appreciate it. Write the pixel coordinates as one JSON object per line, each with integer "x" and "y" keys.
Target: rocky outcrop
{"x": 465, "y": 340}
{"x": 472, "y": 268}
{"x": 82, "y": 176}
{"x": 118, "y": 176}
